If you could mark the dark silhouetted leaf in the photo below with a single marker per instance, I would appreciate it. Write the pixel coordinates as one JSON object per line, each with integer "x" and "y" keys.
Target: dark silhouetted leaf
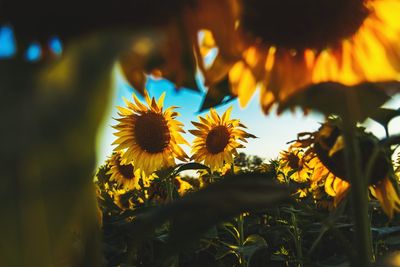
{"x": 161, "y": 53}
{"x": 190, "y": 166}
{"x": 384, "y": 115}
{"x": 192, "y": 215}
{"x": 382, "y": 232}
{"x": 217, "y": 94}
{"x": 180, "y": 62}
{"x": 143, "y": 56}
{"x": 353, "y": 102}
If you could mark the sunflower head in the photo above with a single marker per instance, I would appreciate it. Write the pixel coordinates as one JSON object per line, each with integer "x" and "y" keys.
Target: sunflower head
{"x": 283, "y": 47}
{"x": 217, "y": 139}
{"x": 291, "y": 163}
{"x": 324, "y": 155}
{"x": 149, "y": 136}
{"x": 182, "y": 186}
{"x": 329, "y": 147}
{"x": 300, "y": 24}
{"x": 127, "y": 199}
{"x": 123, "y": 174}
{"x": 291, "y": 159}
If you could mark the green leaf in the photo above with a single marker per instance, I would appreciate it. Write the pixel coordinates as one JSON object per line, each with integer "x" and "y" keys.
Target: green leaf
{"x": 390, "y": 235}
{"x": 255, "y": 240}
{"x": 190, "y": 166}
{"x": 231, "y": 229}
{"x": 223, "y": 251}
{"x": 353, "y": 102}
{"x": 252, "y": 244}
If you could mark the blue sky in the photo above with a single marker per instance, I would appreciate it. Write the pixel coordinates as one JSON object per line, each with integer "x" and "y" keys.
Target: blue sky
{"x": 273, "y": 131}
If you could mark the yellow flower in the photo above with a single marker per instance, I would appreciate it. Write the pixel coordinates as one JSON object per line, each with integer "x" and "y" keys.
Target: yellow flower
{"x": 284, "y": 46}
{"x": 322, "y": 178}
{"x": 182, "y": 186}
{"x": 227, "y": 169}
{"x": 291, "y": 164}
{"x": 149, "y": 135}
{"x": 124, "y": 175}
{"x": 387, "y": 195}
{"x": 325, "y": 156}
{"x": 217, "y": 139}
{"x": 292, "y": 167}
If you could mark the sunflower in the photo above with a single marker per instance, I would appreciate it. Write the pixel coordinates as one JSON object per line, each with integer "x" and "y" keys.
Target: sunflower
{"x": 149, "y": 135}
{"x": 182, "y": 186}
{"x": 325, "y": 156}
{"x": 217, "y": 139}
{"x": 323, "y": 180}
{"x": 124, "y": 175}
{"x": 292, "y": 165}
{"x": 284, "y": 46}
{"x": 292, "y": 168}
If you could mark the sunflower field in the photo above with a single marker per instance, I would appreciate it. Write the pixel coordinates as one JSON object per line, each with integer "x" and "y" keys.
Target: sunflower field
{"x": 177, "y": 185}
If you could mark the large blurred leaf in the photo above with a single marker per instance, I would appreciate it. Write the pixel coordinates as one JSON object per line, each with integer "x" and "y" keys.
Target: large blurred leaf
{"x": 180, "y": 63}
{"x": 353, "y": 102}
{"x": 143, "y": 55}
{"x": 192, "y": 215}
{"x": 50, "y": 113}
{"x": 163, "y": 53}
{"x": 217, "y": 94}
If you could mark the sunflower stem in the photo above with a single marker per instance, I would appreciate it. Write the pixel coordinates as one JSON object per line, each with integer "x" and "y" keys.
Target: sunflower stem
{"x": 240, "y": 226}
{"x": 240, "y": 222}
{"x": 359, "y": 196}
{"x": 174, "y": 260}
{"x": 170, "y": 188}
{"x": 297, "y": 239}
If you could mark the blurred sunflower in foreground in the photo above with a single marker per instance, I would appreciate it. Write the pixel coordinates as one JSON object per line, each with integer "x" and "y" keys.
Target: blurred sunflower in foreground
{"x": 217, "y": 139}
{"x": 324, "y": 156}
{"x": 149, "y": 136}
{"x": 282, "y": 46}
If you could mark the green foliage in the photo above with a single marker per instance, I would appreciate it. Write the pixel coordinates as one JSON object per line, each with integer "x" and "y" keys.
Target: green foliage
{"x": 200, "y": 228}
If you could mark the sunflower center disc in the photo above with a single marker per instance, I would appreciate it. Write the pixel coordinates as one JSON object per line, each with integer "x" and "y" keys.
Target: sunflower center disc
{"x": 126, "y": 170}
{"x": 301, "y": 24}
{"x": 152, "y": 132}
{"x": 293, "y": 161}
{"x": 217, "y": 139}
